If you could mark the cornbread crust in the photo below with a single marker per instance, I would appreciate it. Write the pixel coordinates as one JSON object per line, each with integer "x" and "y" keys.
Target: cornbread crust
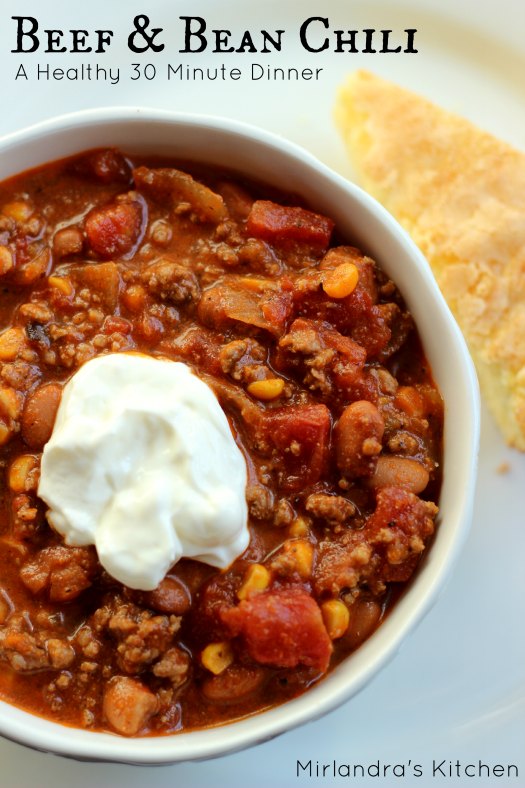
{"x": 460, "y": 193}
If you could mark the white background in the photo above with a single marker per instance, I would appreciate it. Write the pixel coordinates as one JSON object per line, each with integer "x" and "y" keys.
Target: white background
{"x": 457, "y": 688}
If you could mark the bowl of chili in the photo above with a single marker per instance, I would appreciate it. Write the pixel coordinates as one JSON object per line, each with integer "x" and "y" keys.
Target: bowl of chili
{"x": 318, "y": 325}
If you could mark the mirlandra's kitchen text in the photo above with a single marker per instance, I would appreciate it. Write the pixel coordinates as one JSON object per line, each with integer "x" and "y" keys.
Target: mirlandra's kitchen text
{"x": 437, "y": 769}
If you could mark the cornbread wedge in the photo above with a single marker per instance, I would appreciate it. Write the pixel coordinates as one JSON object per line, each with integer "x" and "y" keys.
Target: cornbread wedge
{"x": 460, "y": 193}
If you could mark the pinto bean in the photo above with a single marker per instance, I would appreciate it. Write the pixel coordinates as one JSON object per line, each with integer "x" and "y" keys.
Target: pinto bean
{"x": 233, "y": 684}
{"x": 400, "y": 472}
{"x": 364, "y": 618}
{"x": 68, "y": 240}
{"x": 38, "y": 416}
{"x": 358, "y": 435}
{"x": 170, "y": 596}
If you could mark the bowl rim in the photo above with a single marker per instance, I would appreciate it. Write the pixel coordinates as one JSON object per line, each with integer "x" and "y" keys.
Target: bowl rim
{"x": 42, "y": 734}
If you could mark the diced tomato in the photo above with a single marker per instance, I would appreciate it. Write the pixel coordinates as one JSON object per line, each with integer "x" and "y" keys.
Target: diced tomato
{"x": 345, "y": 369}
{"x": 302, "y": 434}
{"x": 276, "y": 309}
{"x": 274, "y": 222}
{"x": 283, "y": 628}
{"x": 372, "y": 331}
{"x": 355, "y": 316}
{"x": 114, "y": 230}
{"x": 351, "y": 351}
{"x": 114, "y": 324}
{"x": 407, "y": 521}
{"x": 199, "y": 346}
{"x": 215, "y": 594}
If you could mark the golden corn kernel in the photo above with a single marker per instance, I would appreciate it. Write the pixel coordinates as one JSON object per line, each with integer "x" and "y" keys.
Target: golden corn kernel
{"x": 256, "y": 579}
{"x": 19, "y": 210}
{"x": 11, "y": 342}
{"x": 5, "y": 433}
{"x": 10, "y": 402}
{"x": 302, "y": 554}
{"x": 336, "y": 617}
{"x": 19, "y": 480}
{"x": 266, "y": 389}
{"x": 62, "y": 283}
{"x": 6, "y": 260}
{"x": 217, "y": 657}
{"x": 134, "y": 298}
{"x": 299, "y": 527}
{"x": 341, "y": 281}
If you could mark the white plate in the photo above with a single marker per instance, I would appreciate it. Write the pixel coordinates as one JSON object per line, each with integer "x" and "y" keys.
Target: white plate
{"x": 457, "y": 689}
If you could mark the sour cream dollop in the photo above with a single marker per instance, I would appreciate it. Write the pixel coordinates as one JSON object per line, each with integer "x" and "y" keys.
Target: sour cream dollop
{"x": 142, "y": 464}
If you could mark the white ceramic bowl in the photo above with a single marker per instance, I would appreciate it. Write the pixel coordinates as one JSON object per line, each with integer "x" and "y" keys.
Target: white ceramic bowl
{"x": 265, "y": 157}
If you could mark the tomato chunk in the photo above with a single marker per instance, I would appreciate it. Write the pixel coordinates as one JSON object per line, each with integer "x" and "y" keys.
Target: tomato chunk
{"x": 114, "y": 230}
{"x": 399, "y": 529}
{"x": 302, "y": 434}
{"x": 283, "y": 628}
{"x": 275, "y": 223}
{"x": 198, "y": 346}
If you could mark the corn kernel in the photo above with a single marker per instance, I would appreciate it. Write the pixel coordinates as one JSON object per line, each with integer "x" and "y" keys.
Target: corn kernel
{"x": 19, "y": 210}
{"x": 340, "y": 282}
{"x": 299, "y": 527}
{"x": 216, "y": 657}
{"x": 336, "y": 617}
{"x": 11, "y": 342}
{"x": 19, "y": 479}
{"x": 5, "y": 433}
{"x": 62, "y": 283}
{"x": 6, "y": 260}
{"x": 134, "y": 298}
{"x": 10, "y": 402}
{"x": 302, "y": 554}
{"x": 256, "y": 579}
{"x": 268, "y": 389}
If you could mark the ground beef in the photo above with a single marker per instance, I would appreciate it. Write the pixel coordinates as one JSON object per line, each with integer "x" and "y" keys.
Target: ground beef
{"x": 61, "y": 572}
{"x": 141, "y": 636}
